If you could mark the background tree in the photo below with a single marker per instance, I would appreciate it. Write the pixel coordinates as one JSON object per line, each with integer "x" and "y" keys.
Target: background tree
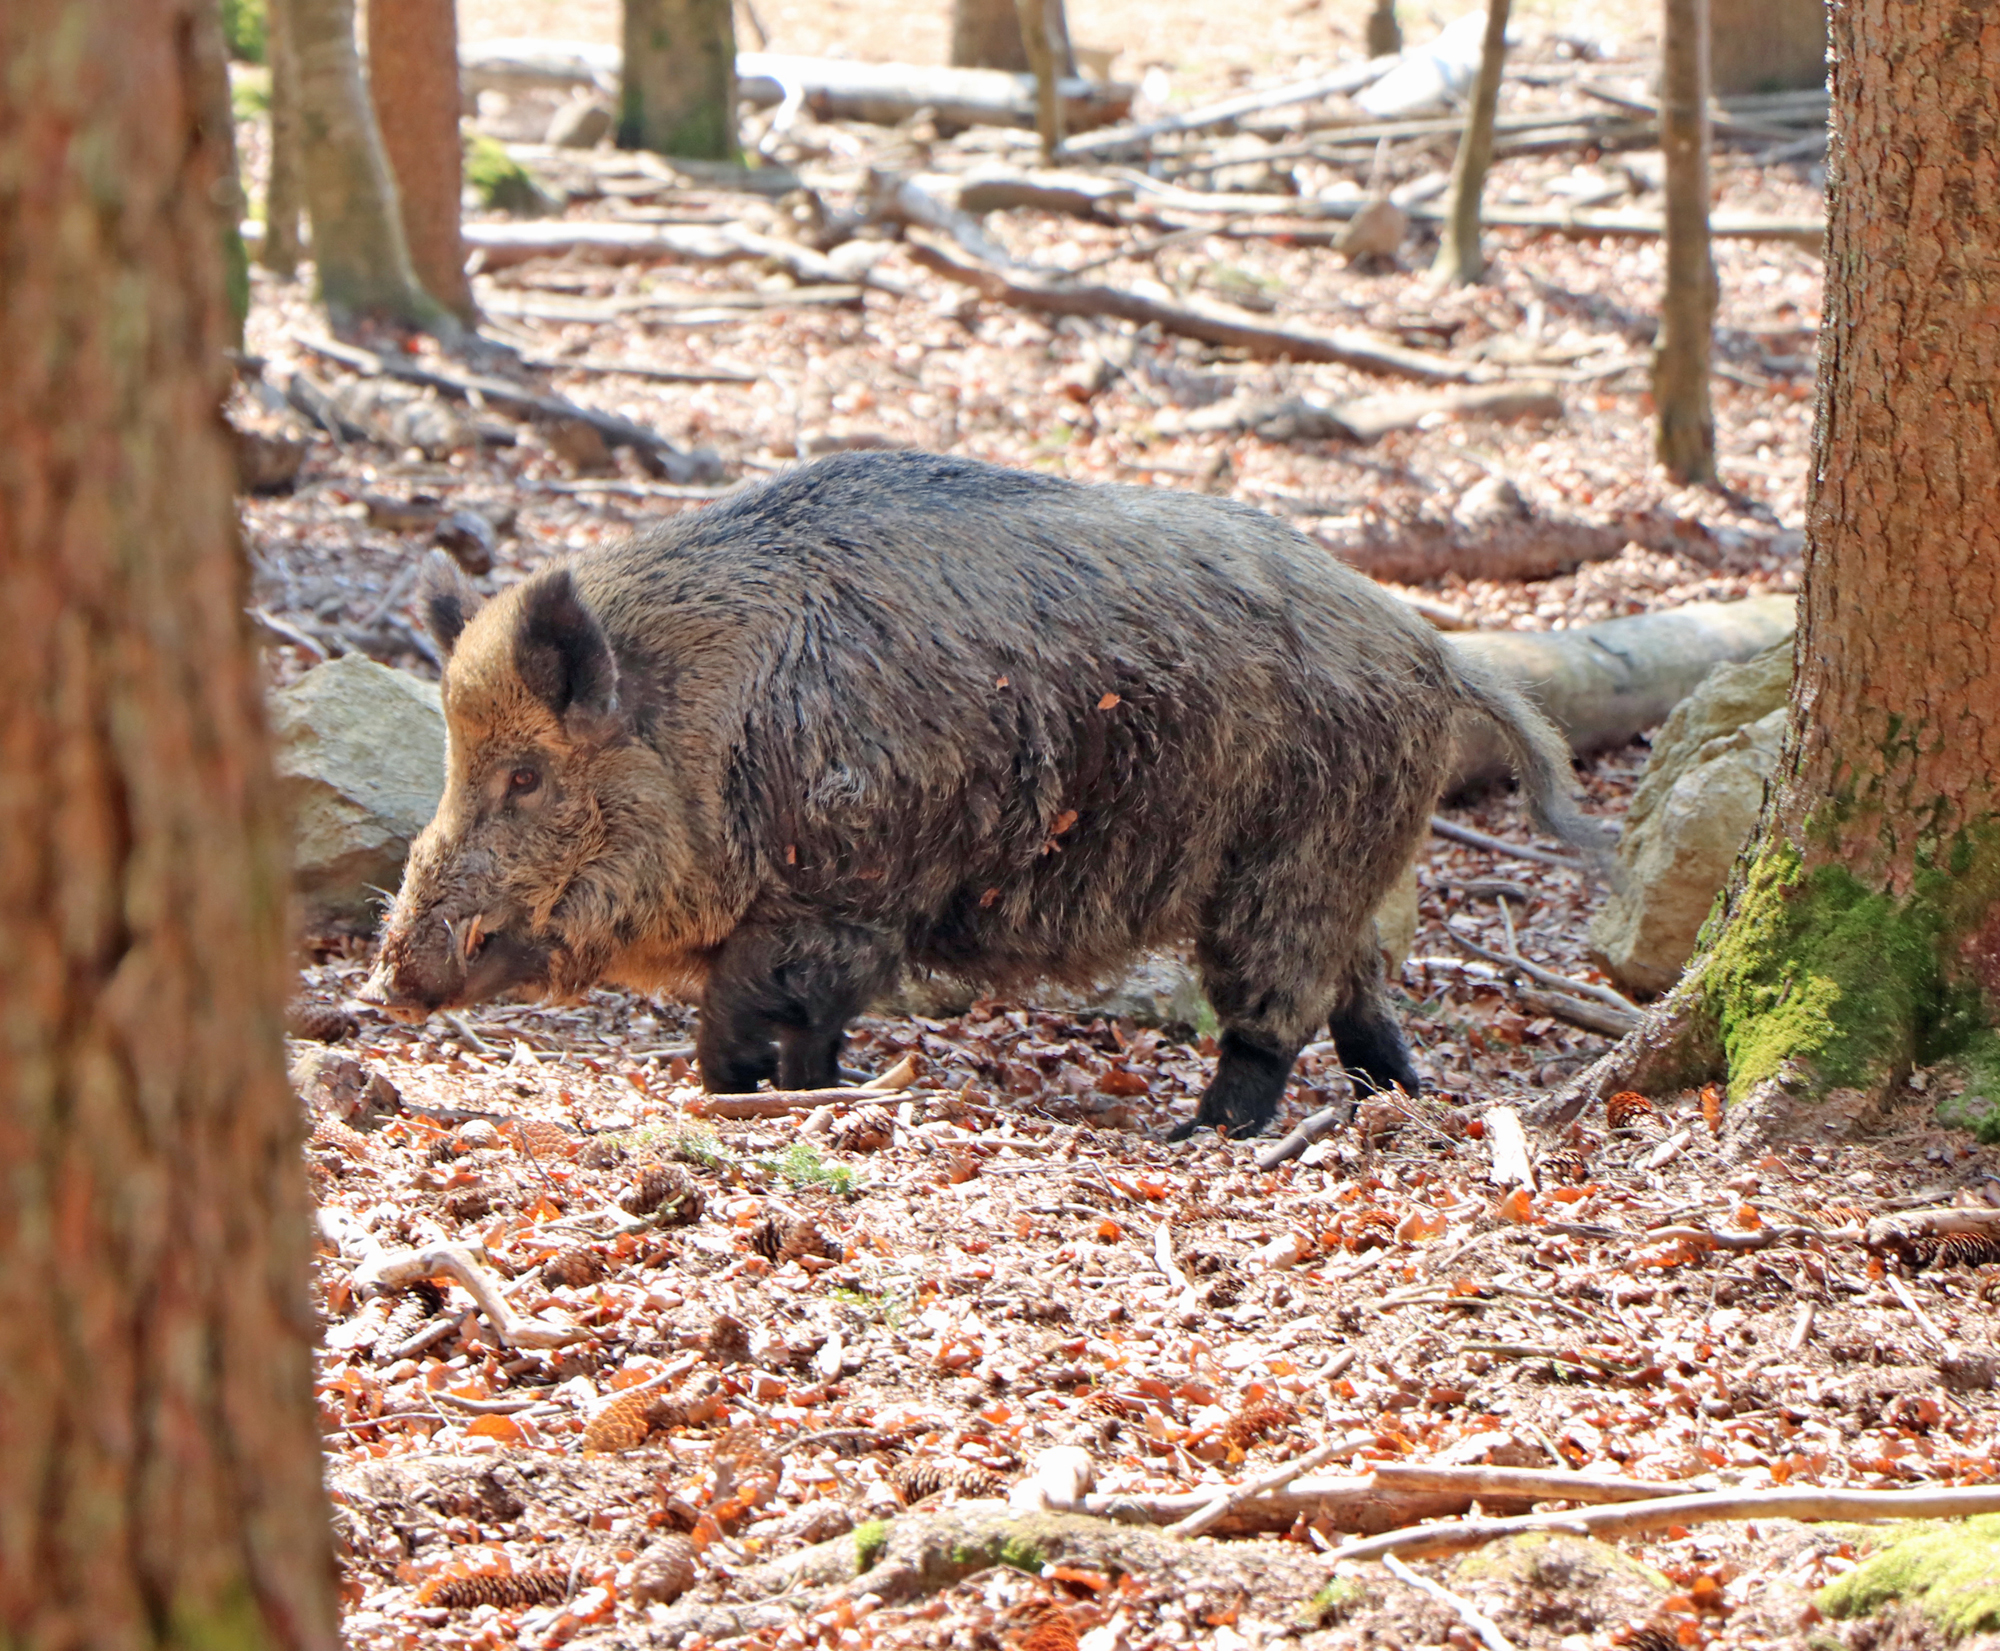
{"x": 283, "y": 187}
{"x": 359, "y": 250}
{"x": 986, "y": 34}
{"x": 159, "y": 1459}
{"x": 1775, "y": 45}
{"x": 413, "y": 83}
{"x": 1862, "y": 930}
{"x": 1385, "y": 34}
{"x": 1685, "y": 437}
{"x": 679, "y": 90}
{"x": 1459, "y": 258}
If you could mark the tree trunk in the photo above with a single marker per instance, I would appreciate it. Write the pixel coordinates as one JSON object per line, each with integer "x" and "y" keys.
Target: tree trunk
{"x": 1861, "y": 932}
{"x": 413, "y": 83}
{"x": 282, "y": 186}
{"x": 1772, "y": 46}
{"x": 1041, "y": 25}
{"x": 679, "y": 91}
{"x": 1385, "y": 34}
{"x": 1459, "y": 259}
{"x": 159, "y": 1459}
{"x": 218, "y": 125}
{"x": 357, "y": 228}
{"x": 1685, "y": 441}
{"x": 986, "y": 34}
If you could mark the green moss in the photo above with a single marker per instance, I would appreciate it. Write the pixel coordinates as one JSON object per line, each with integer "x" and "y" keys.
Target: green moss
{"x": 1337, "y": 1601}
{"x": 501, "y": 182}
{"x": 869, "y": 1541}
{"x": 1949, "y": 1571}
{"x": 1022, "y": 1553}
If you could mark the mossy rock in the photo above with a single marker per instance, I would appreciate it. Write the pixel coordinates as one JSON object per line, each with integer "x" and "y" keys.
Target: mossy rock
{"x": 1551, "y": 1559}
{"x": 503, "y": 184}
{"x": 1949, "y": 1571}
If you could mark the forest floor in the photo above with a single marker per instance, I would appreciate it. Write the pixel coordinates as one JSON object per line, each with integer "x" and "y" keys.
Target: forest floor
{"x": 888, "y": 1309}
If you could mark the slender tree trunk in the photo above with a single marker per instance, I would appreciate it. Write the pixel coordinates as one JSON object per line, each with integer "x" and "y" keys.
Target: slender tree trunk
{"x": 1772, "y": 46}
{"x": 282, "y": 185}
{"x": 679, "y": 94}
{"x": 413, "y": 83}
{"x": 1043, "y": 37}
{"x": 1459, "y": 259}
{"x": 986, "y": 34}
{"x": 1385, "y": 35}
{"x": 357, "y": 228}
{"x": 1685, "y": 440}
{"x": 159, "y": 1459}
{"x": 1862, "y": 930}
{"x": 218, "y": 121}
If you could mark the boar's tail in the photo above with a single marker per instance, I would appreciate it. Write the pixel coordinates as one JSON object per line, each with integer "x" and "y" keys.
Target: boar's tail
{"x": 1541, "y": 761}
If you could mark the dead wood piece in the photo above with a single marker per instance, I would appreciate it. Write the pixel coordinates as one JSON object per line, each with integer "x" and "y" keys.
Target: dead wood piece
{"x": 1481, "y": 1624}
{"x": 1900, "y": 1231}
{"x": 1212, "y": 1513}
{"x": 775, "y": 1103}
{"x": 399, "y": 1269}
{"x": 1538, "y": 1483}
{"x": 1629, "y": 1519}
{"x": 1452, "y": 831}
{"x": 673, "y": 464}
{"x": 1808, "y": 234}
{"x": 1370, "y": 417}
{"x": 1118, "y": 140}
{"x": 1217, "y": 324}
{"x": 1507, "y": 1141}
{"x": 702, "y": 311}
{"x": 1612, "y": 1001}
{"x": 1077, "y": 194}
{"x": 1357, "y": 1504}
{"x": 1308, "y": 1130}
{"x": 1925, "y": 1322}
{"x": 1574, "y": 1011}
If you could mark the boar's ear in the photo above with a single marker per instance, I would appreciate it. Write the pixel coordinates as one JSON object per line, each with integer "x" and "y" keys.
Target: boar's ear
{"x": 560, "y": 650}
{"x": 448, "y": 600}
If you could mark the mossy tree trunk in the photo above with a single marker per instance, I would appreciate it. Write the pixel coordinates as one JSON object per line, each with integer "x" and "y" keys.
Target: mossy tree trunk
{"x": 1685, "y": 438}
{"x": 159, "y": 1458}
{"x": 359, "y": 249}
{"x": 1459, "y": 259}
{"x": 413, "y": 84}
{"x": 1862, "y": 931}
{"x": 679, "y": 91}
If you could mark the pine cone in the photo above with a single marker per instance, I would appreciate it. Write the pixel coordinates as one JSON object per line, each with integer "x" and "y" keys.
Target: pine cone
{"x": 924, "y": 1476}
{"x": 414, "y": 1308}
{"x": 625, "y": 1422}
{"x": 1563, "y": 1167}
{"x": 781, "y": 1241}
{"x": 1630, "y": 1110}
{"x": 331, "y": 1132}
{"x": 664, "y": 1571}
{"x": 1226, "y": 1288}
{"x": 468, "y": 1203}
{"x": 538, "y": 1138}
{"x": 319, "y": 1022}
{"x": 1649, "y": 1636}
{"x": 575, "y": 1267}
{"x": 666, "y": 1192}
{"x": 728, "y": 1341}
{"x": 1054, "y": 1630}
{"x": 543, "y": 1586}
{"x": 868, "y": 1130}
{"x": 603, "y": 1152}
{"x": 1255, "y": 1422}
{"x": 1963, "y": 1249}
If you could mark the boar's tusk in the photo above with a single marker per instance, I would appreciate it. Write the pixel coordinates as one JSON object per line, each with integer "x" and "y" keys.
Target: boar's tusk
{"x": 475, "y": 932}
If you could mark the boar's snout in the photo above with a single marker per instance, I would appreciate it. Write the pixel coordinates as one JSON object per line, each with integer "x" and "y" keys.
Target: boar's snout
{"x": 430, "y": 962}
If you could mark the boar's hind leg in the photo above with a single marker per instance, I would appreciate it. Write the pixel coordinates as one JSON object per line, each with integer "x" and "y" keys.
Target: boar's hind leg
{"x": 1243, "y": 1096}
{"x": 778, "y": 1001}
{"x": 1366, "y": 1037}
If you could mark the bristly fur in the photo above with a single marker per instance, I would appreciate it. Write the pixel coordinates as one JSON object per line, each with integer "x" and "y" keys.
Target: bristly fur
{"x": 895, "y": 709}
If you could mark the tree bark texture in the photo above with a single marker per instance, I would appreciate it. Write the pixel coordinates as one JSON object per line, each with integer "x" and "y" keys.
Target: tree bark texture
{"x": 1041, "y": 24}
{"x": 218, "y": 125}
{"x": 359, "y": 249}
{"x": 283, "y": 186}
{"x": 986, "y": 34}
{"x": 679, "y": 79}
{"x": 1861, "y": 932}
{"x": 413, "y": 84}
{"x": 1772, "y": 46}
{"x": 1685, "y": 437}
{"x": 1459, "y": 259}
{"x": 159, "y": 1458}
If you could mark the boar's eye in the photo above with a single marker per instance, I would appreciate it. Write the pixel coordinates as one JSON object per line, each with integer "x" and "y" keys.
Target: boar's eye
{"x": 523, "y": 782}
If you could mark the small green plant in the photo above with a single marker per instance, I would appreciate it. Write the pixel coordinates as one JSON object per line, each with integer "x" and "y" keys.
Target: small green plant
{"x": 803, "y": 1166}
{"x": 1340, "y": 1598}
{"x": 694, "y": 1144}
{"x": 501, "y": 182}
{"x": 1022, "y": 1554}
{"x": 869, "y": 1541}
{"x": 243, "y": 29}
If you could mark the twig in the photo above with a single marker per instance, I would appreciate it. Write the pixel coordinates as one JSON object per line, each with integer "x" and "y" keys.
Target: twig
{"x": 1250, "y": 1490}
{"x": 1454, "y": 832}
{"x": 1112, "y": 140}
{"x": 1535, "y": 1350}
{"x": 1605, "y": 995}
{"x": 775, "y": 1103}
{"x": 471, "y": 1039}
{"x": 1628, "y": 1519}
{"x": 1480, "y": 1624}
{"x": 1760, "y": 1238}
{"x": 1507, "y": 1141}
{"x": 429, "y": 1336}
{"x": 491, "y": 1407}
{"x": 283, "y": 630}
{"x": 1925, "y": 1322}
{"x": 1528, "y": 1482}
{"x": 1801, "y": 1330}
{"x": 399, "y": 1269}
{"x": 1667, "y": 1151}
{"x": 1316, "y": 1127}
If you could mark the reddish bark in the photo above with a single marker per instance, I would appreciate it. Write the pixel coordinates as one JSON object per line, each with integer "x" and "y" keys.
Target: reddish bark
{"x": 413, "y": 80}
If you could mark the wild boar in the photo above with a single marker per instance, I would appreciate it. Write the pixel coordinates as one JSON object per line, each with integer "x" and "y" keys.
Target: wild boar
{"x": 894, "y": 710}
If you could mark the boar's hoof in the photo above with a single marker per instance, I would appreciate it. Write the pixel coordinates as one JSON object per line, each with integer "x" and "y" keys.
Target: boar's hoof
{"x": 1243, "y": 1097}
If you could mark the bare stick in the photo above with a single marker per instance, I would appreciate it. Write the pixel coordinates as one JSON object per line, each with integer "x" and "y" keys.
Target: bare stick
{"x": 1454, "y": 832}
{"x": 1480, "y": 1624}
{"x": 1529, "y": 1482}
{"x": 1322, "y": 1123}
{"x": 1548, "y": 977}
{"x": 1801, "y": 1330}
{"x": 1925, "y": 1322}
{"x": 1250, "y": 1490}
{"x": 398, "y": 1270}
{"x": 1508, "y": 1143}
{"x": 775, "y": 1103}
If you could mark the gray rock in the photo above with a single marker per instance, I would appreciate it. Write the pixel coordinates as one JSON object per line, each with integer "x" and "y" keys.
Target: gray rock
{"x": 361, "y": 763}
{"x": 1697, "y": 802}
{"x": 582, "y": 123}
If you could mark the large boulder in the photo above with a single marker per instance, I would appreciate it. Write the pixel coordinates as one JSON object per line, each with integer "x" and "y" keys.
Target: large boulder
{"x": 1695, "y": 805}
{"x": 361, "y": 763}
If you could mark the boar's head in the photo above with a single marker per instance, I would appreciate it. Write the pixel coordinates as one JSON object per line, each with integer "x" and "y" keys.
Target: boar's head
{"x": 555, "y": 819}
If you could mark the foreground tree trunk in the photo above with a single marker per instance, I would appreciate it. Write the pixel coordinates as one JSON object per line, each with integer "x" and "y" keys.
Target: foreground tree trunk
{"x": 159, "y": 1460}
{"x": 359, "y": 249}
{"x": 413, "y": 84}
{"x": 1459, "y": 259}
{"x": 679, "y": 91}
{"x": 1685, "y": 439}
{"x": 1862, "y": 931}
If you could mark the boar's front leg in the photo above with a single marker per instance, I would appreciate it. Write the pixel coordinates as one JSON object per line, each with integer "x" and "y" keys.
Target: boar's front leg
{"x": 778, "y": 1001}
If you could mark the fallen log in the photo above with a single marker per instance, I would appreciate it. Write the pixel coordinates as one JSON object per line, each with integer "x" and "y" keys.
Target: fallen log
{"x": 1362, "y": 418}
{"x": 1218, "y": 324}
{"x": 1604, "y": 684}
{"x": 672, "y": 463}
{"x": 831, "y": 88}
{"x": 1518, "y": 546}
{"x": 502, "y": 244}
{"x": 1123, "y": 139}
